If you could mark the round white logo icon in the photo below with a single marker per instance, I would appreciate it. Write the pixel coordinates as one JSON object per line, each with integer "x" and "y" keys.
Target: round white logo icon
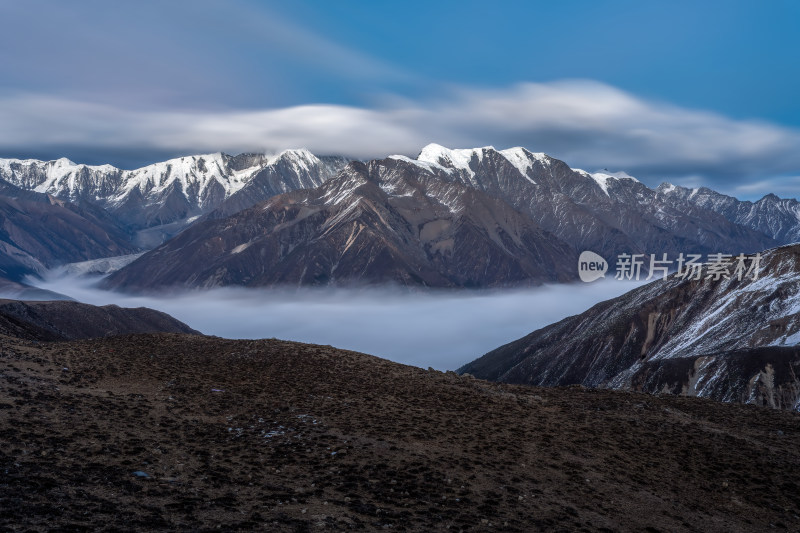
{"x": 591, "y": 266}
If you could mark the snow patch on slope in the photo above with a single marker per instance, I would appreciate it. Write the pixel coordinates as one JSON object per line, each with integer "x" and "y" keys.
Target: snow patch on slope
{"x": 93, "y": 267}
{"x": 456, "y": 159}
{"x": 521, "y": 159}
{"x": 603, "y": 178}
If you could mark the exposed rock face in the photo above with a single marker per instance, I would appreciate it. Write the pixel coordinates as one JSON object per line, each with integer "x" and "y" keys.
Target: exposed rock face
{"x": 376, "y": 222}
{"x": 38, "y": 231}
{"x": 772, "y": 371}
{"x": 708, "y": 338}
{"x": 64, "y": 320}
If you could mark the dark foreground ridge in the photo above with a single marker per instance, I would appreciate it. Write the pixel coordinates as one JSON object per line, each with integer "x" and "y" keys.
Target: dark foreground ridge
{"x": 68, "y": 320}
{"x": 185, "y": 432}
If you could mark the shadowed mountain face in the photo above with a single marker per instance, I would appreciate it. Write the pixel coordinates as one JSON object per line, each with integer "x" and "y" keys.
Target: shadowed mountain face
{"x": 718, "y": 339}
{"x": 776, "y": 217}
{"x": 38, "y": 231}
{"x": 376, "y": 222}
{"x": 178, "y": 432}
{"x": 66, "y": 320}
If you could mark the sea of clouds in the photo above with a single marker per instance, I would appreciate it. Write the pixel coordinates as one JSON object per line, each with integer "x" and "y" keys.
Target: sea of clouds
{"x": 439, "y": 329}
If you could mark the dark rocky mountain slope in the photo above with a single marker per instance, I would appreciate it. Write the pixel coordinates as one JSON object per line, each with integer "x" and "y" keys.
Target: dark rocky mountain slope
{"x": 730, "y": 340}
{"x": 775, "y": 217}
{"x": 39, "y": 231}
{"x": 67, "y": 320}
{"x": 375, "y": 222}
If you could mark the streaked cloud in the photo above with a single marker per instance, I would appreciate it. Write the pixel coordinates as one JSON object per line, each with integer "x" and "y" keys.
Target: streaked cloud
{"x": 585, "y": 123}
{"x": 783, "y": 186}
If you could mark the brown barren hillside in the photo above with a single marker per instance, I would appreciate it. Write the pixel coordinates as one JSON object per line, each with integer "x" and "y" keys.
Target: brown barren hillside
{"x": 184, "y": 432}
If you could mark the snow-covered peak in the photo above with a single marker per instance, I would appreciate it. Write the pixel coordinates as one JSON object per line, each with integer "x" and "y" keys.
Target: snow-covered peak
{"x": 667, "y": 188}
{"x": 50, "y": 176}
{"x": 195, "y": 172}
{"x": 62, "y": 162}
{"x": 200, "y": 178}
{"x": 55, "y": 167}
{"x": 603, "y": 178}
{"x": 301, "y": 158}
{"x": 422, "y": 164}
{"x": 621, "y": 175}
{"x": 523, "y": 159}
{"x": 523, "y": 154}
{"x": 458, "y": 159}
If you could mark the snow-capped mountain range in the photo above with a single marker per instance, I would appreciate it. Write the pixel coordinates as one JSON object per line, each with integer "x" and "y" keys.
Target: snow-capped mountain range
{"x": 173, "y": 190}
{"x": 609, "y": 213}
{"x": 422, "y": 221}
{"x": 379, "y": 222}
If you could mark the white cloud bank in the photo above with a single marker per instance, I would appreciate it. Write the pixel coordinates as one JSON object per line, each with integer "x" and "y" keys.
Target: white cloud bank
{"x": 587, "y": 124}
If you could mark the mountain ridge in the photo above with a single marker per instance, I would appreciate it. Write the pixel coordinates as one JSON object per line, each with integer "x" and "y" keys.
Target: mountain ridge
{"x": 172, "y": 190}
{"x": 374, "y": 222}
{"x": 606, "y": 213}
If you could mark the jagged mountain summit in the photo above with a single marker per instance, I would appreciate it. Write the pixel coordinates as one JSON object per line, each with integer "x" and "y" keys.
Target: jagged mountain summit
{"x": 776, "y": 217}
{"x": 609, "y": 213}
{"x": 727, "y": 339}
{"x": 377, "y": 222}
{"x": 177, "y": 189}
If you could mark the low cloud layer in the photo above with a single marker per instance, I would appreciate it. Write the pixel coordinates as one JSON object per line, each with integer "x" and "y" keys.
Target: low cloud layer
{"x": 587, "y": 124}
{"x": 436, "y": 329}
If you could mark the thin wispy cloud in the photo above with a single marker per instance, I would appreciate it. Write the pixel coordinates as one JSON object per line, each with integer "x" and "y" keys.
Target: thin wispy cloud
{"x": 785, "y": 186}
{"x": 201, "y": 54}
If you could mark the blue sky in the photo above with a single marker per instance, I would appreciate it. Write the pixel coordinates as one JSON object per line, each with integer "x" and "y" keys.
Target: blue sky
{"x": 694, "y": 94}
